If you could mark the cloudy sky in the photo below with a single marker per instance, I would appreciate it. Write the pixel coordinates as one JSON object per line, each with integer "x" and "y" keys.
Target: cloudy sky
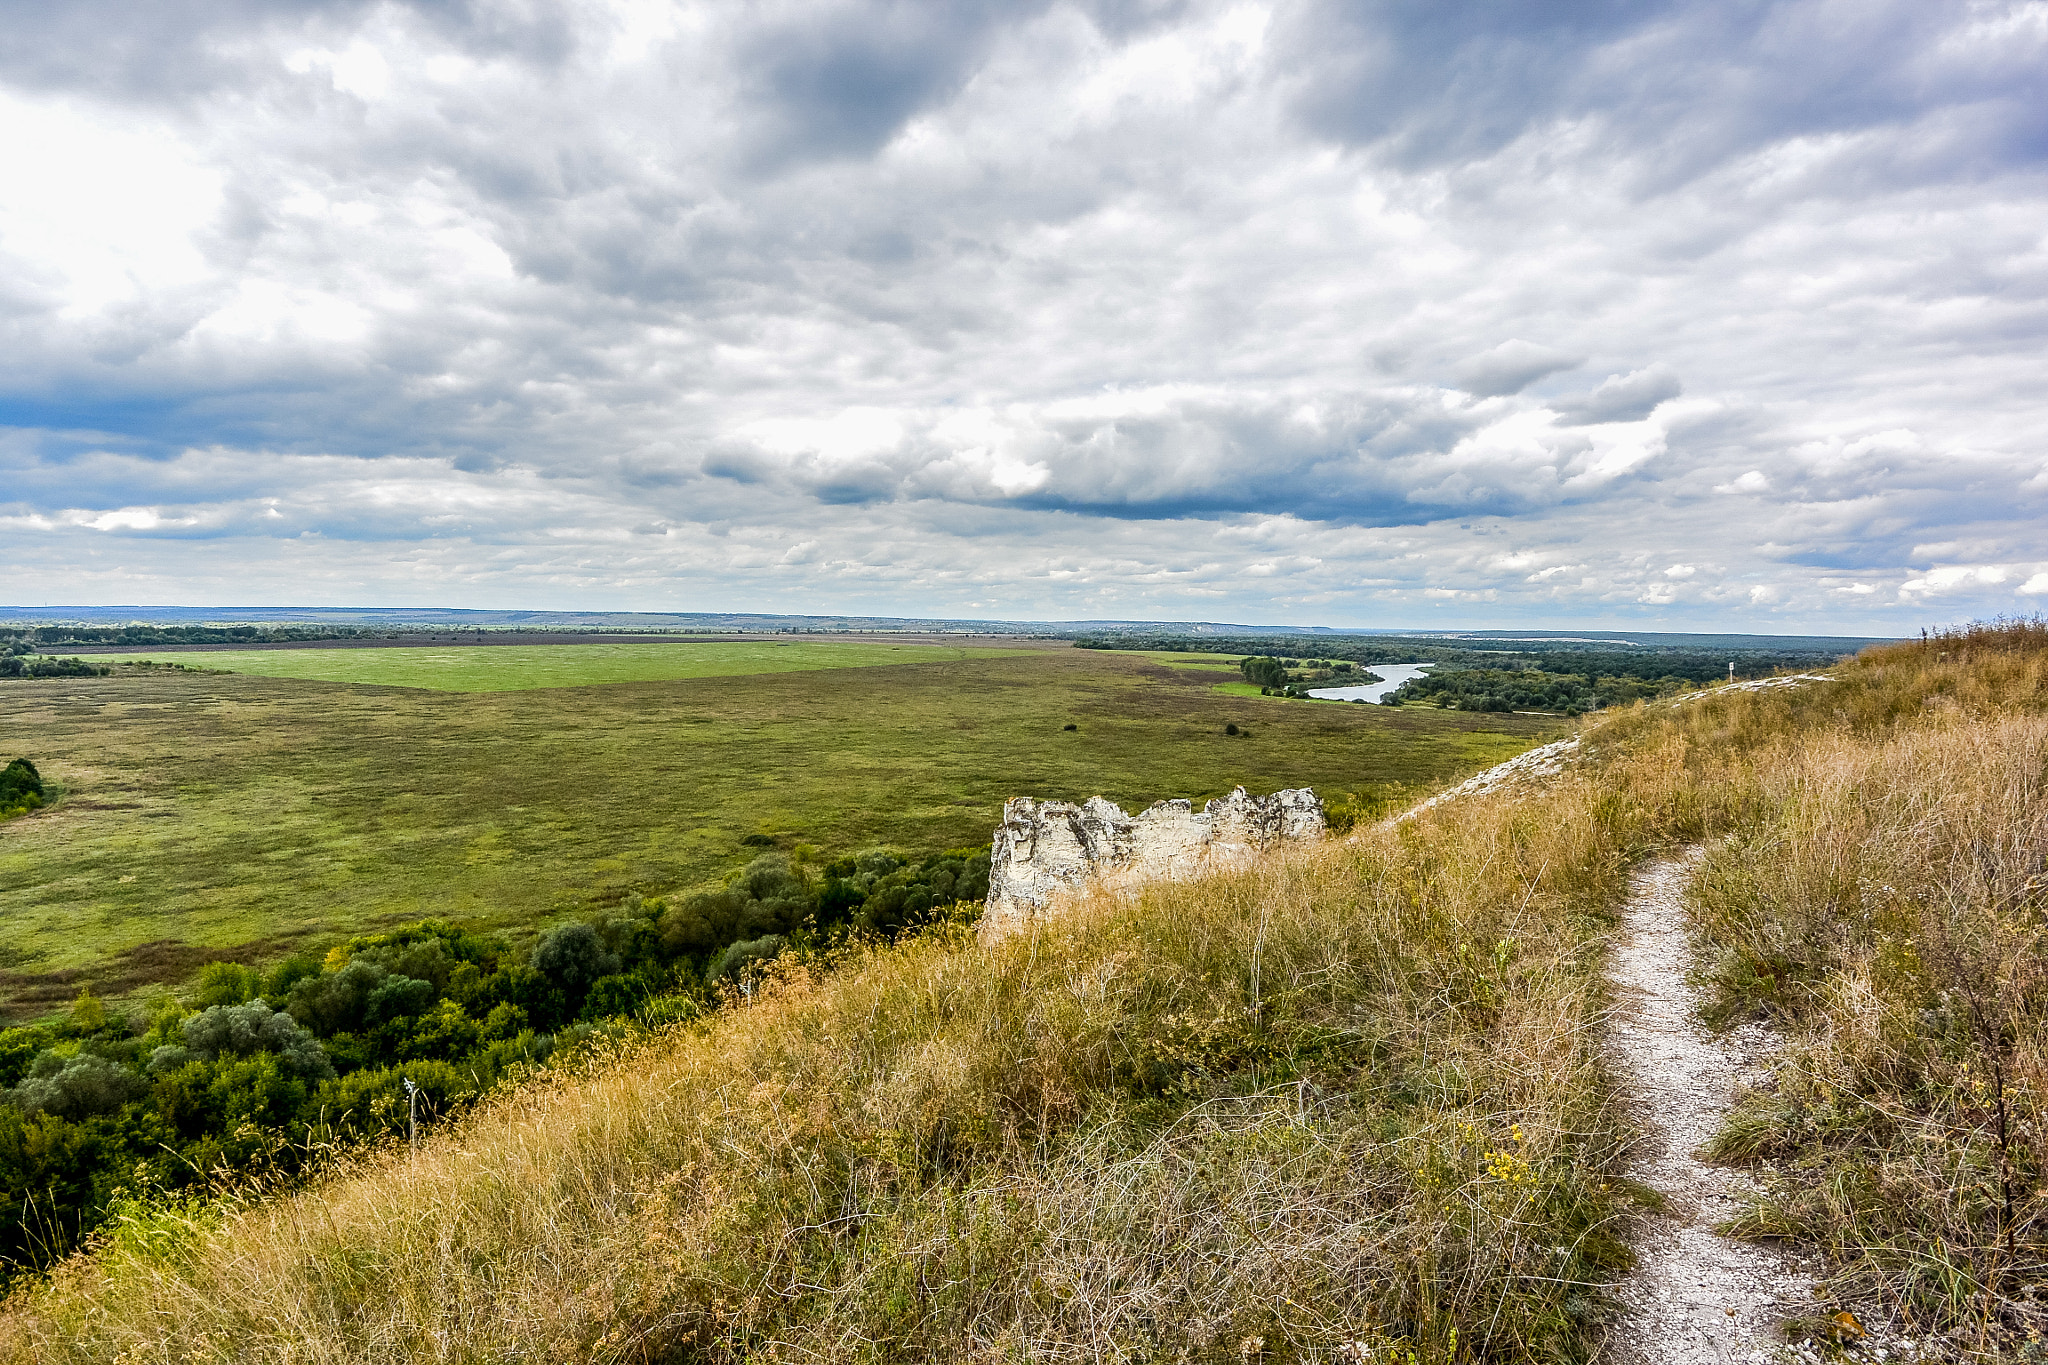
{"x": 1717, "y": 315}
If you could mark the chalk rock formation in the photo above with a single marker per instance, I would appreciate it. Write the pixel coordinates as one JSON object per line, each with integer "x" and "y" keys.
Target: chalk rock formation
{"x": 1047, "y": 850}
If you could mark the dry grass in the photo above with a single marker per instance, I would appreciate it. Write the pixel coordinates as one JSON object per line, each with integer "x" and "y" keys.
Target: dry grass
{"x": 1347, "y": 1096}
{"x": 1890, "y": 909}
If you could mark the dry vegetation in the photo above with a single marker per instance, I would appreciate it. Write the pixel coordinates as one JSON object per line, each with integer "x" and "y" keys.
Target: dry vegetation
{"x": 1883, "y": 896}
{"x": 1339, "y": 1097}
{"x": 1349, "y": 1096}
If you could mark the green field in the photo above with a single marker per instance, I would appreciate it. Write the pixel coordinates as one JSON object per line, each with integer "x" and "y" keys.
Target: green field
{"x": 1211, "y": 663}
{"x": 1223, "y": 672}
{"x": 208, "y": 814}
{"x": 514, "y": 668}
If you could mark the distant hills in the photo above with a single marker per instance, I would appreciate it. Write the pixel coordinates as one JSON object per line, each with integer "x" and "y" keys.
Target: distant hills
{"x": 355, "y": 619}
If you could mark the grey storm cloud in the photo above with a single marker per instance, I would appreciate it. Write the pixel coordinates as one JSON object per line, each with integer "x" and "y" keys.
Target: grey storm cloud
{"x": 1355, "y": 312}
{"x": 1511, "y": 367}
{"x": 1624, "y": 397}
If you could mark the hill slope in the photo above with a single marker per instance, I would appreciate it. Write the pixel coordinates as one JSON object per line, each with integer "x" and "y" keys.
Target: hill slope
{"x": 1351, "y": 1095}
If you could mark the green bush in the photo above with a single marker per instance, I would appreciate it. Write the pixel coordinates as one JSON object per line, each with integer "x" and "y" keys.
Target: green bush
{"x": 736, "y": 956}
{"x": 615, "y": 995}
{"x": 21, "y": 789}
{"x": 228, "y": 983}
{"x": 244, "y": 1030}
{"x": 76, "y": 1087}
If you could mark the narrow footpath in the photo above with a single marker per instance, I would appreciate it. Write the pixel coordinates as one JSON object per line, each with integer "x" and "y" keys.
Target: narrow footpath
{"x": 1695, "y": 1298}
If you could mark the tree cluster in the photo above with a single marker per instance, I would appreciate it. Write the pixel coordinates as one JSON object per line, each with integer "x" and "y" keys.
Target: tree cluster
{"x": 18, "y": 660}
{"x": 1280, "y": 677}
{"x": 21, "y": 789}
{"x": 257, "y": 1071}
{"x": 1497, "y": 689}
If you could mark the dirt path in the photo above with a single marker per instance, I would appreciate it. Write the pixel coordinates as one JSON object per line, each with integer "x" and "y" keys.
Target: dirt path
{"x": 1694, "y": 1297}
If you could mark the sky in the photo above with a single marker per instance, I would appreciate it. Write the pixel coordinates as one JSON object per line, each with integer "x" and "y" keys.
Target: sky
{"x": 1727, "y": 316}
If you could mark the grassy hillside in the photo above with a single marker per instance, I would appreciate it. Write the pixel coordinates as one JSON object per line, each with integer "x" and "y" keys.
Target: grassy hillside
{"x": 1351, "y": 1096}
{"x": 1337, "y": 1098}
{"x": 238, "y": 816}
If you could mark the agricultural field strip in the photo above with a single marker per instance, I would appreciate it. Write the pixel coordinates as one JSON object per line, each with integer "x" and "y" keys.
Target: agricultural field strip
{"x": 511, "y": 668}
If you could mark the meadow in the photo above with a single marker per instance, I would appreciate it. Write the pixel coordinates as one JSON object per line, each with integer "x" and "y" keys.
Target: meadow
{"x": 514, "y": 668}
{"x": 207, "y": 815}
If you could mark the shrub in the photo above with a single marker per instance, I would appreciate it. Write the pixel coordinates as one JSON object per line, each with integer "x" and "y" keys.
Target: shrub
{"x": 21, "y": 788}
{"x": 375, "y": 1100}
{"x": 336, "y": 1002}
{"x": 18, "y": 1048}
{"x": 244, "y": 1030}
{"x": 76, "y": 1087}
{"x": 445, "y": 1032}
{"x": 227, "y": 983}
{"x": 571, "y": 957}
{"x": 289, "y": 973}
{"x": 614, "y": 995}
{"x": 397, "y": 997}
{"x": 504, "y": 1021}
{"x": 736, "y": 956}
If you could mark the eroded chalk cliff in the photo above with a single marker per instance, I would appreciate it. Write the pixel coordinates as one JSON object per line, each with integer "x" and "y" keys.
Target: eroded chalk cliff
{"x": 1047, "y": 850}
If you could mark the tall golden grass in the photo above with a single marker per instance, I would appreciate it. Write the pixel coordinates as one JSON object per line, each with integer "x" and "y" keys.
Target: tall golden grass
{"x": 1349, "y": 1098}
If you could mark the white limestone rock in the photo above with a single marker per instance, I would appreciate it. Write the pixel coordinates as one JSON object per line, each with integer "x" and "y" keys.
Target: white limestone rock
{"x": 1046, "y": 851}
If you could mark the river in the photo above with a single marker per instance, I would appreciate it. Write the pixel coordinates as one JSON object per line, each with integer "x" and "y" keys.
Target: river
{"x": 1391, "y": 676}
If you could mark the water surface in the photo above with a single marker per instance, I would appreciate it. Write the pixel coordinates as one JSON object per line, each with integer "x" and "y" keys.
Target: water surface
{"x": 1390, "y": 676}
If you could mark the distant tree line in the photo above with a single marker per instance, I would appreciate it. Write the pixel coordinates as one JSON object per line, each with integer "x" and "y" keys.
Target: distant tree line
{"x": 44, "y": 636}
{"x": 1497, "y": 689}
{"x": 19, "y": 660}
{"x": 257, "y": 1071}
{"x": 1694, "y": 664}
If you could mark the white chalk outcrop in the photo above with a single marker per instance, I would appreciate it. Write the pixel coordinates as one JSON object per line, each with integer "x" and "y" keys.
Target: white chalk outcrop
{"x": 1046, "y": 851}
{"x": 1523, "y": 769}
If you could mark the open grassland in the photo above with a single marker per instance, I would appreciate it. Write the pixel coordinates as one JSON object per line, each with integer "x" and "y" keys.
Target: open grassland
{"x": 1173, "y": 658}
{"x": 1221, "y": 672}
{"x": 511, "y": 668}
{"x": 230, "y": 815}
{"x": 1350, "y": 1098}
